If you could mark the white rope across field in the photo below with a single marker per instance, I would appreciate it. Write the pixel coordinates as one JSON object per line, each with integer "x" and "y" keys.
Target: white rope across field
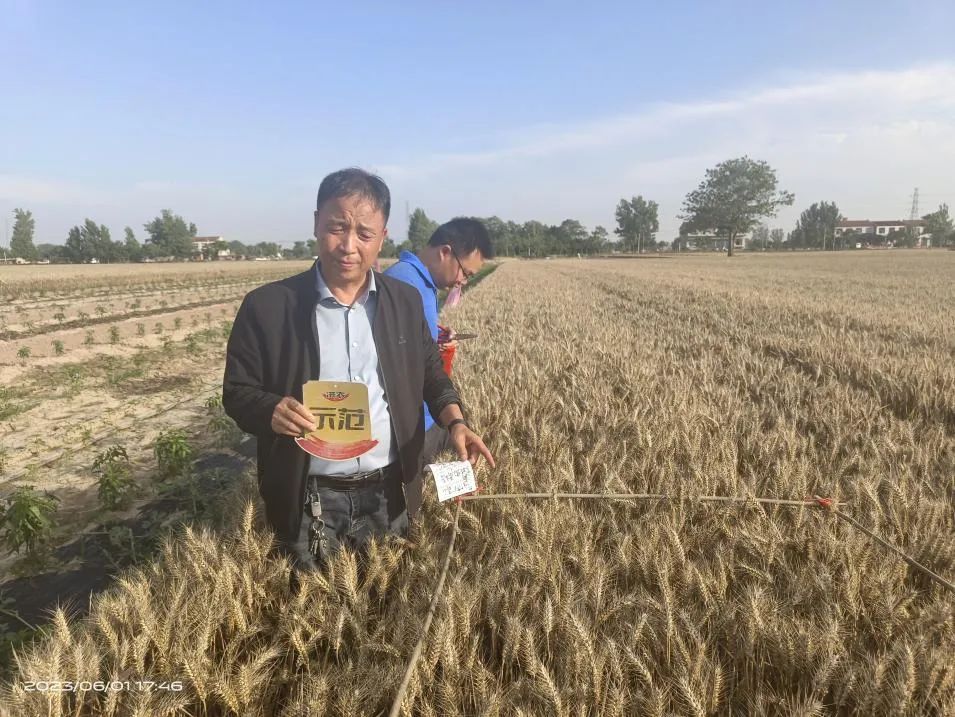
{"x": 816, "y": 501}
{"x": 396, "y": 705}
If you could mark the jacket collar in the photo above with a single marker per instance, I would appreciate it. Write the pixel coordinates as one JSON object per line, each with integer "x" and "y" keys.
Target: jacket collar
{"x": 419, "y": 267}
{"x": 324, "y": 293}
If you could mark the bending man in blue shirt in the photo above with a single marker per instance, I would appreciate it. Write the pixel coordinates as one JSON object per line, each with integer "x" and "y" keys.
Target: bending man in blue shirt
{"x": 455, "y": 252}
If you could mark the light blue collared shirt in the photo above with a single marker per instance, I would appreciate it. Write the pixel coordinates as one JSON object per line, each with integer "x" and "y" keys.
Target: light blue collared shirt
{"x": 347, "y": 352}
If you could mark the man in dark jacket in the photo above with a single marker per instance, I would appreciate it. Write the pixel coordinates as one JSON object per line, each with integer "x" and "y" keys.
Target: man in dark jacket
{"x": 340, "y": 321}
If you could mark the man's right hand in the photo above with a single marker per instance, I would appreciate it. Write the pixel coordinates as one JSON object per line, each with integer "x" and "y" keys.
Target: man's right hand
{"x": 291, "y": 418}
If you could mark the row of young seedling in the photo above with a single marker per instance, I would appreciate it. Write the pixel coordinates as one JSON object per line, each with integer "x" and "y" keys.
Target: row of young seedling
{"x": 24, "y": 353}
{"x": 58, "y": 289}
{"x": 84, "y": 320}
{"x": 28, "y": 516}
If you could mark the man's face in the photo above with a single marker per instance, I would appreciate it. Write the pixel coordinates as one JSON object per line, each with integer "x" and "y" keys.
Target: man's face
{"x": 349, "y": 233}
{"x": 456, "y": 270}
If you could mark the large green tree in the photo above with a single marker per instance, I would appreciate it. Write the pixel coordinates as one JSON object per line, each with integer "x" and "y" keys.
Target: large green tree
{"x": 733, "y": 197}
{"x": 91, "y": 241}
{"x": 21, "y": 243}
{"x": 637, "y": 222}
{"x": 420, "y": 229}
{"x": 169, "y": 235}
{"x": 134, "y": 250}
{"x": 388, "y": 249}
{"x": 939, "y": 225}
{"x": 569, "y": 238}
{"x": 598, "y": 240}
{"x": 268, "y": 249}
{"x": 816, "y": 227}
{"x": 777, "y": 237}
{"x": 760, "y": 239}
{"x": 300, "y": 250}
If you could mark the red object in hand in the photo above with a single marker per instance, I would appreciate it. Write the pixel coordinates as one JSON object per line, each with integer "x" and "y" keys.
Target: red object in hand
{"x": 447, "y": 352}
{"x": 447, "y": 357}
{"x": 334, "y": 451}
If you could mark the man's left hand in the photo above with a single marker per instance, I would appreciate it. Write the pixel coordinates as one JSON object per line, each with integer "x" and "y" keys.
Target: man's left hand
{"x": 468, "y": 445}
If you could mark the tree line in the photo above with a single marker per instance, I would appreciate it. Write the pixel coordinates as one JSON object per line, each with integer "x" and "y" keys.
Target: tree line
{"x": 731, "y": 201}
{"x": 637, "y": 224}
{"x": 166, "y": 236}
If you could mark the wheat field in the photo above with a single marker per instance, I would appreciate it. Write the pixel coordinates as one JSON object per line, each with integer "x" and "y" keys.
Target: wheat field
{"x": 777, "y": 376}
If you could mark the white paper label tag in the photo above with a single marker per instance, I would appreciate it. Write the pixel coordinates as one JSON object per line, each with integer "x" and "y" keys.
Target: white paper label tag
{"x": 453, "y": 479}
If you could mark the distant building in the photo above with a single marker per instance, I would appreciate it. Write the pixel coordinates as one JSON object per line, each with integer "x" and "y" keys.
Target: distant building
{"x": 879, "y": 228}
{"x": 200, "y": 245}
{"x": 703, "y": 240}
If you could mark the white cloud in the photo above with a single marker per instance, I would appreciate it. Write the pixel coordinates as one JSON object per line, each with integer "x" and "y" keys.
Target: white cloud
{"x": 863, "y": 139}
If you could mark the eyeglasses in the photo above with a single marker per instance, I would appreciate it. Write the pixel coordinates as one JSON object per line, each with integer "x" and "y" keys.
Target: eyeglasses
{"x": 467, "y": 274}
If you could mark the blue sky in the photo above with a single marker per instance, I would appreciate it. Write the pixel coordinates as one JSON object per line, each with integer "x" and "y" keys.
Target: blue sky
{"x": 231, "y": 113}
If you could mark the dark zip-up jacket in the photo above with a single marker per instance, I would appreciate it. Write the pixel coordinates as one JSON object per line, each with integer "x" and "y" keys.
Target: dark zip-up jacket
{"x": 274, "y": 349}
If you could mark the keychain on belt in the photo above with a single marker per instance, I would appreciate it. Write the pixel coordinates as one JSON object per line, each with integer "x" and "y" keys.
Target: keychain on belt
{"x": 317, "y": 529}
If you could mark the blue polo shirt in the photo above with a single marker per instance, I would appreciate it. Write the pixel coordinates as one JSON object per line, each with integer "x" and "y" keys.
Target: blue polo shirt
{"x": 410, "y": 270}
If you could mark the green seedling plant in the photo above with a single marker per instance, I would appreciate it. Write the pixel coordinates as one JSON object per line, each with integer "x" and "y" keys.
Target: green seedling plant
{"x": 74, "y": 378}
{"x": 26, "y": 520}
{"x": 123, "y": 542}
{"x": 58, "y": 347}
{"x": 173, "y": 452}
{"x": 192, "y": 345}
{"x": 112, "y": 468}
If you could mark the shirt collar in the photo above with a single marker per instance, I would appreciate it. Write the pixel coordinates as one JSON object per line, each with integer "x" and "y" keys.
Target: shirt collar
{"x": 324, "y": 293}
{"x": 421, "y": 268}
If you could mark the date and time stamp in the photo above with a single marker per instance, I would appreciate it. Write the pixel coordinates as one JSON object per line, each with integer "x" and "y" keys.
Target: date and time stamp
{"x": 99, "y": 685}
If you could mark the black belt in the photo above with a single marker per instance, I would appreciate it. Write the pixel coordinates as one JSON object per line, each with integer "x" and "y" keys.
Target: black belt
{"x": 355, "y": 480}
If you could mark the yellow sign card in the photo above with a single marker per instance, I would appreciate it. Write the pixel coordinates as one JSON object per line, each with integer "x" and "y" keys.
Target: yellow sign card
{"x": 341, "y": 410}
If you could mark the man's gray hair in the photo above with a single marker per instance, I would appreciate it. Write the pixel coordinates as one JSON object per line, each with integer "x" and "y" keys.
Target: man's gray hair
{"x": 355, "y": 182}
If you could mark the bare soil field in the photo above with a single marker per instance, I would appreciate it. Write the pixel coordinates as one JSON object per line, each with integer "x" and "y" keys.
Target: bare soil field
{"x": 94, "y": 356}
